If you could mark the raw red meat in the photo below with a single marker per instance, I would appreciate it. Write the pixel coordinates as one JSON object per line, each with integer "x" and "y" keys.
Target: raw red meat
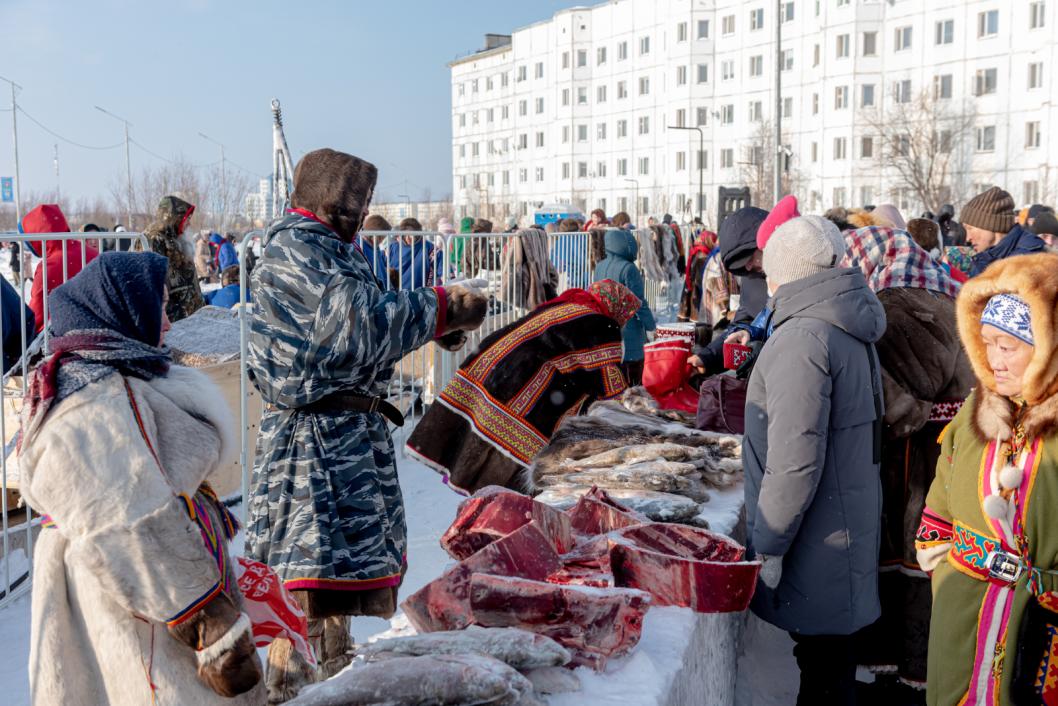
{"x": 587, "y": 565}
{"x": 598, "y": 513}
{"x": 684, "y": 566}
{"x": 495, "y": 512}
{"x": 443, "y": 604}
{"x": 593, "y": 623}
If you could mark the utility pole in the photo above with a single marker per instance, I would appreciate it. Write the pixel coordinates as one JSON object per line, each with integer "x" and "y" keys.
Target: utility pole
{"x": 58, "y": 188}
{"x": 636, "y": 210}
{"x": 701, "y": 168}
{"x": 128, "y": 165}
{"x": 223, "y": 182}
{"x": 777, "y": 159}
{"x": 14, "y": 129}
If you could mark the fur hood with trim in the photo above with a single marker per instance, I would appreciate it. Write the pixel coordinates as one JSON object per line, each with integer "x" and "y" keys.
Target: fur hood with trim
{"x": 1034, "y": 278}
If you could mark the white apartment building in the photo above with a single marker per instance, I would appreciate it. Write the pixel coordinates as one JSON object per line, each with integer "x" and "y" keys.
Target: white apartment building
{"x": 428, "y": 213}
{"x": 258, "y": 204}
{"x": 578, "y": 108}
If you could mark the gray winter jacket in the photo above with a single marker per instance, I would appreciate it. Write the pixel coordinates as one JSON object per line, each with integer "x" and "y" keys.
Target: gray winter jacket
{"x": 813, "y": 494}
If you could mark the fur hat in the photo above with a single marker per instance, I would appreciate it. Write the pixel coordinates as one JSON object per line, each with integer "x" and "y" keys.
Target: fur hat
{"x": 802, "y": 247}
{"x": 992, "y": 211}
{"x": 924, "y": 232}
{"x": 337, "y": 187}
{"x": 783, "y": 211}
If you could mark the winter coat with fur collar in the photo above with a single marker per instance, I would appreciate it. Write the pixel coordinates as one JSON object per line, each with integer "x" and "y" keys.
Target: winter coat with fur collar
{"x": 987, "y": 496}
{"x": 124, "y": 558}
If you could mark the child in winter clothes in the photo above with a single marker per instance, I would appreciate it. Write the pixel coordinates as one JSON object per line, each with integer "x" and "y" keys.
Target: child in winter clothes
{"x": 619, "y": 266}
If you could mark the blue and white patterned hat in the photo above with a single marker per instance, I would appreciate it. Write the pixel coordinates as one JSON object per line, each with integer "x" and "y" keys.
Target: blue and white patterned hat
{"x": 1009, "y": 313}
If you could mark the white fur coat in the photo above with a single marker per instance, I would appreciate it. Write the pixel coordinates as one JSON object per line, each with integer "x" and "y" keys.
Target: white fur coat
{"x": 124, "y": 557}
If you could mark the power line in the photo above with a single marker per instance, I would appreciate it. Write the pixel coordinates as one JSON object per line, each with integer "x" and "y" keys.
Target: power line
{"x": 51, "y": 132}
{"x": 174, "y": 161}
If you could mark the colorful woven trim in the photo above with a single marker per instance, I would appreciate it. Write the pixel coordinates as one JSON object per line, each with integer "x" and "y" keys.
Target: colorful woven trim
{"x": 587, "y": 359}
{"x": 932, "y": 530}
{"x": 492, "y": 419}
{"x": 969, "y": 551}
{"x": 536, "y": 325}
{"x": 614, "y": 383}
{"x": 194, "y": 606}
{"x": 945, "y": 411}
{"x": 1047, "y": 676}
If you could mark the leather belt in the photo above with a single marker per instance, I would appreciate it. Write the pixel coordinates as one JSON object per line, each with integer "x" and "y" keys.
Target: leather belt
{"x": 340, "y": 402}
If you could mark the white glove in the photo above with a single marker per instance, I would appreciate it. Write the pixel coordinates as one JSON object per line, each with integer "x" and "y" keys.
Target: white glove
{"x": 770, "y": 570}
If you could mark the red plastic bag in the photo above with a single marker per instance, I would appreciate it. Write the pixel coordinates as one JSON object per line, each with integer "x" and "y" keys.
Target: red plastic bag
{"x": 666, "y": 374}
{"x": 271, "y": 609}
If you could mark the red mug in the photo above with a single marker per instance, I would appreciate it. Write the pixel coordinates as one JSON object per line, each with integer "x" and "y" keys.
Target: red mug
{"x": 735, "y": 355}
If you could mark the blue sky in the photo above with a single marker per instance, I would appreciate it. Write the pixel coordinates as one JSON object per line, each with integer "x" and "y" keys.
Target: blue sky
{"x": 365, "y": 76}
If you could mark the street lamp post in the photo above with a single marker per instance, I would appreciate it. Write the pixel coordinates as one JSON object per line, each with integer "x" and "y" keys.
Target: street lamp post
{"x": 128, "y": 163}
{"x": 14, "y": 129}
{"x": 636, "y": 182}
{"x": 701, "y": 167}
{"x": 777, "y": 159}
{"x": 223, "y": 181}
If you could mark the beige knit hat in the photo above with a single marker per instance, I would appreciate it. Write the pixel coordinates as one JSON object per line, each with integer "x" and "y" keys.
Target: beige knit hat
{"x": 993, "y": 211}
{"x": 802, "y": 247}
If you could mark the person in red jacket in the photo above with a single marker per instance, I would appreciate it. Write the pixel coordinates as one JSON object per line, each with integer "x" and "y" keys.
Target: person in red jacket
{"x": 48, "y": 218}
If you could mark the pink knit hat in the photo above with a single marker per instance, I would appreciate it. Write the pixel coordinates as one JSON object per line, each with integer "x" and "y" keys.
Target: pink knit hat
{"x": 783, "y": 211}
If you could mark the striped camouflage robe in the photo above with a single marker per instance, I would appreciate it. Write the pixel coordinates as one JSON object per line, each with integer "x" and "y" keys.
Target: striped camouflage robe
{"x": 325, "y": 509}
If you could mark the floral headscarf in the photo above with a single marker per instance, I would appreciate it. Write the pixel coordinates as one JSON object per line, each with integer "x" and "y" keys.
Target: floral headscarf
{"x": 617, "y": 300}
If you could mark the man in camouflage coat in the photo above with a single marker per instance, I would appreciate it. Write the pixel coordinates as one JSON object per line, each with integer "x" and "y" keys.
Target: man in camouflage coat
{"x": 165, "y": 235}
{"x": 326, "y": 511}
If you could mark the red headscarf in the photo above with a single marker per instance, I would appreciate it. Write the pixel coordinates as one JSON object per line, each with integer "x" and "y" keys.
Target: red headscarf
{"x": 606, "y": 297}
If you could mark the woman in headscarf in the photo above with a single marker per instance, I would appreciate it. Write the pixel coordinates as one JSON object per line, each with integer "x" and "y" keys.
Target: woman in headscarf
{"x": 988, "y": 531}
{"x": 925, "y": 378}
{"x": 506, "y": 400}
{"x": 134, "y": 598}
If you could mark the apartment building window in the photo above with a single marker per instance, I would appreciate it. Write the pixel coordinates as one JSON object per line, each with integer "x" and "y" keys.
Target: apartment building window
{"x": 490, "y": 114}
{"x": 681, "y": 32}
{"x": 866, "y": 148}
{"x": 600, "y": 131}
{"x": 681, "y": 75}
{"x": 681, "y": 117}
{"x": 522, "y": 73}
{"x": 462, "y": 151}
{"x": 944, "y": 140}
{"x": 681, "y": 161}
{"x": 987, "y": 23}
{"x": 1037, "y": 10}
{"x": 870, "y": 43}
{"x": 756, "y": 18}
{"x": 462, "y": 89}
{"x": 474, "y": 117}
{"x": 622, "y": 51}
{"x": 866, "y": 195}
{"x": 1036, "y": 75}
{"x": 523, "y": 175}
{"x": 539, "y": 139}
{"x": 843, "y": 46}
{"x": 703, "y": 116}
{"x": 1031, "y": 192}
{"x": 540, "y": 105}
{"x": 702, "y": 159}
{"x": 902, "y": 39}
{"x": 506, "y": 177}
{"x": 490, "y": 179}
{"x": 644, "y": 45}
{"x": 474, "y": 86}
{"x": 787, "y": 12}
{"x": 945, "y": 32}
{"x": 703, "y": 73}
{"x": 727, "y": 158}
{"x": 565, "y": 170}
{"x": 986, "y": 138}
{"x": 842, "y": 3}
{"x": 582, "y": 170}
{"x": 582, "y": 58}
{"x": 644, "y": 125}
{"x": 644, "y": 86}
{"x": 867, "y": 95}
{"x": 565, "y": 98}
{"x": 622, "y": 167}
{"x": 902, "y": 91}
{"x": 841, "y": 97}
{"x": 565, "y": 134}
{"x": 727, "y": 25}
{"x": 787, "y": 107}
{"x": 505, "y": 112}
{"x": 1032, "y": 135}
{"x": 985, "y": 81}
{"x": 727, "y": 114}
{"x": 756, "y": 111}
{"x": 839, "y": 196}
{"x": 703, "y": 29}
{"x": 503, "y": 80}
{"x": 787, "y": 59}
{"x": 565, "y": 60}
{"x": 488, "y": 83}
{"x": 756, "y": 65}
{"x": 815, "y": 104}
{"x": 582, "y": 95}
{"x": 582, "y": 133}
{"x": 462, "y": 120}
{"x": 600, "y": 170}
{"x": 523, "y": 141}
{"x": 644, "y": 166}
{"x": 942, "y": 86}
{"x": 600, "y": 56}
{"x": 600, "y": 94}
{"x": 840, "y": 147}
{"x": 539, "y": 69}
{"x": 815, "y": 55}
{"x": 622, "y": 128}
{"x": 727, "y": 70}
{"x": 622, "y": 89}
{"x": 815, "y": 151}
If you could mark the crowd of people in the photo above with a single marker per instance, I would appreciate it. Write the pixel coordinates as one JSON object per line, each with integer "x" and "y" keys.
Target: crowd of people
{"x": 899, "y": 441}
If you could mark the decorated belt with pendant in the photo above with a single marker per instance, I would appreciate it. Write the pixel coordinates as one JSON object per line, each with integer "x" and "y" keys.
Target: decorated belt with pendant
{"x": 983, "y": 557}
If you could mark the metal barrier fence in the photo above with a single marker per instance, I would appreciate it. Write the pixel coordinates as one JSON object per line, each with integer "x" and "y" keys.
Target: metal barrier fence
{"x": 18, "y": 526}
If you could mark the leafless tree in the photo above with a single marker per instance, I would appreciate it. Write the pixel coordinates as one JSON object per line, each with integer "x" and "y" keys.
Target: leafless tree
{"x": 922, "y": 142}
{"x": 757, "y": 163}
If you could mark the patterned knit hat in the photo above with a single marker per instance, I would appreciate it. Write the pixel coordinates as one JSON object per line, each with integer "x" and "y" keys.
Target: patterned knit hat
{"x": 1009, "y": 313}
{"x": 802, "y": 247}
{"x": 618, "y": 300}
{"x": 993, "y": 211}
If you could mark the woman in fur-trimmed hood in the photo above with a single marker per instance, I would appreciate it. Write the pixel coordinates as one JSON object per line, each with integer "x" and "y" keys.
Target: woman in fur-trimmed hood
{"x": 988, "y": 531}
